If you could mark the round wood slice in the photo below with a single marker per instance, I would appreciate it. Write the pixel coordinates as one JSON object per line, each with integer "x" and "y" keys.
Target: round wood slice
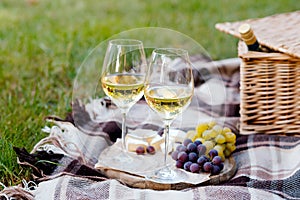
{"x": 136, "y": 181}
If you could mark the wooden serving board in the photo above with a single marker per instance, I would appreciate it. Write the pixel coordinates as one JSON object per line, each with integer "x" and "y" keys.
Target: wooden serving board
{"x": 138, "y": 181}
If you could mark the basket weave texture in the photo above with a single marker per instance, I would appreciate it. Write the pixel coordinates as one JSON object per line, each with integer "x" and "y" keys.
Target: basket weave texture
{"x": 269, "y": 87}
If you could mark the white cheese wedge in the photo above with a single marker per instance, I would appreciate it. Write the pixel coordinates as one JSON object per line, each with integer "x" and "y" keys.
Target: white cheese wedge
{"x": 132, "y": 144}
{"x": 157, "y": 141}
{"x": 177, "y": 135}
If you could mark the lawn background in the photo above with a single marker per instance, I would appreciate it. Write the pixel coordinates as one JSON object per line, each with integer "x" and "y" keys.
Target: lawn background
{"x": 43, "y": 44}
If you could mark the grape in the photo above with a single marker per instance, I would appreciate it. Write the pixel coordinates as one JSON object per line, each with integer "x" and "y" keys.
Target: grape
{"x": 194, "y": 168}
{"x": 212, "y": 153}
{"x": 201, "y": 128}
{"x": 150, "y": 149}
{"x": 197, "y": 142}
{"x": 226, "y": 130}
{"x": 193, "y": 157}
{"x": 175, "y": 155}
{"x": 230, "y": 146}
{"x": 187, "y": 141}
{"x": 191, "y": 134}
{"x": 207, "y": 167}
{"x": 206, "y": 135}
{"x": 220, "y": 139}
{"x": 230, "y": 137}
{"x": 217, "y": 160}
{"x": 215, "y": 169}
{"x": 221, "y": 165}
{"x": 217, "y": 128}
{"x": 211, "y": 124}
{"x": 209, "y": 145}
{"x": 182, "y": 156}
{"x": 201, "y": 160}
{"x": 181, "y": 148}
{"x": 201, "y": 149}
{"x": 179, "y": 164}
{"x": 191, "y": 147}
{"x": 140, "y": 150}
{"x": 227, "y": 153}
{"x": 187, "y": 165}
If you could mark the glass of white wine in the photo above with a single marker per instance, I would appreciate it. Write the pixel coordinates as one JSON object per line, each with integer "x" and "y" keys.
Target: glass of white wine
{"x": 123, "y": 77}
{"x": 169, "y": 88}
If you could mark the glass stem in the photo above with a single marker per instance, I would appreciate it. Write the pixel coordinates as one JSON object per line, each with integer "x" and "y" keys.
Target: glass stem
{"x": 123, "y": 131}
{"x": 166, "y": 134}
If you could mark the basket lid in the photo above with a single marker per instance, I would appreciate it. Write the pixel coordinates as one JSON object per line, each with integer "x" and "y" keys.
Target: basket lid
{"x": 279, "y": 32}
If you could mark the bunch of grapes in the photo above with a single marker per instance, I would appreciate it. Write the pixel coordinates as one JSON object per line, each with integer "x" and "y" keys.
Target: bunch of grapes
{"x": 213, "y": 136}
{"x": 191, "y": 156}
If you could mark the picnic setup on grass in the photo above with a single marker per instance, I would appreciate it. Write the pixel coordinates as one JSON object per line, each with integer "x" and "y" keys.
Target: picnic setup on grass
{"x": 153, "y": 117}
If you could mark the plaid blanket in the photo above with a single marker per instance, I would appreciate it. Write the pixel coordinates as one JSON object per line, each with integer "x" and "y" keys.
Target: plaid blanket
{"x": 267, "y": 165}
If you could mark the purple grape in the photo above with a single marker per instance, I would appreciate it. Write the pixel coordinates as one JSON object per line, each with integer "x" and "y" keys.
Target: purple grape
{"x": 191, "y": 147}
{"x": 201, "y": 160}
{"x": 197, "y": 142}
{"x": 140, "y": 150}
{"x": 179, "y": 164}
{"x": 187, "y": 165}
{"x": 215, "y": 169}
{"x": 217, "y": 160}
{"x": 212, "y": 153}
{"x": 221, "y": 165}
{"x": 207, "y": 167}
{"x": 175, "y": 155}
{"x": 193, "y": 157}
{"x": 181, "y": 148}
{"x": 194, "y": 168}
{"x": 201, "y": 149}
{"x": 187, "y": 141}
{"x": 150, "y": 149}
{"x": 182, "y": 156}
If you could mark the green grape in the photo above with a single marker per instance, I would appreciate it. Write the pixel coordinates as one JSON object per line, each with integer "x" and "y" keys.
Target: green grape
{"x": 209, "y": 145}
{"x": 219, "y": 149}
{"x": 227, "y": 153}
{"x": 230, "y": 137}
{"x": 230, "y": 146}
{"x": 211, "y": 124}
{"x": 201, "y": 128}
{"x": 213, "y": 133}
{"x": 217, "y": 128}
{"x": 226, "y": 130}
{"x": 220, "y": 139}
{"x": 190, "y": 134}
{"x": 207, "y": 135}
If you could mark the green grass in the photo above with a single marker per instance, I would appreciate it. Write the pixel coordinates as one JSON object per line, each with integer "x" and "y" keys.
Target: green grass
{"x": 42, "y": 46}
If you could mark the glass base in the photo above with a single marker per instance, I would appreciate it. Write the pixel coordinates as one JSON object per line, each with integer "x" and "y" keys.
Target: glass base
{"x": 166, "y": 175}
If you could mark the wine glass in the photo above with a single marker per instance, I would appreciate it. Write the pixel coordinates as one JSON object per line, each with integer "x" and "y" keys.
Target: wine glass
{"x": 123, "y": 77}
{"x": 169, "y": 88}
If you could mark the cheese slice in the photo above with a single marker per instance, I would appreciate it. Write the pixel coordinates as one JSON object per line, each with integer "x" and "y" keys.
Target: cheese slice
{"x": 132, "y": 144}
{"x": 177, "y": 135}
{"x": 157, "y": 141}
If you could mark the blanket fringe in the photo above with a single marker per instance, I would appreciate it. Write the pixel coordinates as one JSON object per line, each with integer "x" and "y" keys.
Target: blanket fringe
{"x": 18, "y": 192}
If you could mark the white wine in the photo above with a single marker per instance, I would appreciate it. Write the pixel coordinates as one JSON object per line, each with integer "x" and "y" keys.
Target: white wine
{"x": 168, "y": 101}
{"x": 124, "y": 89}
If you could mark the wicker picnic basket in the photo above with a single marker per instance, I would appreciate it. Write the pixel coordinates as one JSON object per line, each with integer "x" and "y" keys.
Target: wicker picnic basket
{"x": 269, "y": 86}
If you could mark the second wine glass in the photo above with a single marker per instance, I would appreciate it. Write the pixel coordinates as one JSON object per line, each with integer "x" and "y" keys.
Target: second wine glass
{"x": 168, "y": 89}
{"x": 123, "y": 76}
